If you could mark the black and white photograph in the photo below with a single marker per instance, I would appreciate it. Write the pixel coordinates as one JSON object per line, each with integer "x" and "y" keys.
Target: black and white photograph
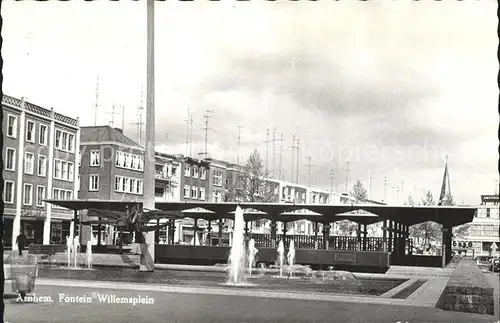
{"x": 250, "y": 161}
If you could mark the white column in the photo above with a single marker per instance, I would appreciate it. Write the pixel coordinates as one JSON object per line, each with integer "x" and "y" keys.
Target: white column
{"x": 16, "y": 225}
{"x": 50, "y": 179}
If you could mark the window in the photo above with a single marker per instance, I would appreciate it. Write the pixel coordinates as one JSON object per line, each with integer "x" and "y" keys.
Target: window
{"x": 42, "y": 166}
{"x": 28, "y": 194}
{"x": 227, "y": 182}
{"x": 217, "y": 178}
{"x": 71, "y": 142}
{"x": 61, "y": 194}
{"x": 128, "y": 185}
{"x": 134, "y": 162}
{"x": 28, "y": 163}
{"x": 140, "y": 186}
{"x": 488, "y": 212}
{"x": 58, "y": 139}
{"x": 8, "y": 193}
{"x": 95, "y": 158}
{"x": 57, "y": 169}
{"x": 80, "y": 159}
{"x": 40, "y": 195}
{"x": 217, "y": 196}
{"x": 64, "y": 141}
{"x": 63, "y": 170}
{"x": 203, "y": 173}
{"x": 194, "y": 192}
{"x": 42, "y": 136}
{"x": 93, "y": 182}
{"x": 71, "y": 174}
{"x": 186, "y": 191}
{"x": 30, "y": 131}
{"x": 132, "y": 187}
{"x": 201, "y": 195}
{"x": 187, "y": 171}
{"x": 11, "y": 159}
{"x": 141, "y": 163}
{"x": 118, "y": 184}
{"x": 12, "y": 126}
{"x": 129, "y": 161}
{"x": 195, "y": 172}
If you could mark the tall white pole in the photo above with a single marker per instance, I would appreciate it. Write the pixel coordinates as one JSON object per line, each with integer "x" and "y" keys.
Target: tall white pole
{"x": 148, "y": 248}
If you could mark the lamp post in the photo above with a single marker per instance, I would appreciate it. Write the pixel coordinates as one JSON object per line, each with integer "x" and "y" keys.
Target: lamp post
{"x": 148, "y": 243}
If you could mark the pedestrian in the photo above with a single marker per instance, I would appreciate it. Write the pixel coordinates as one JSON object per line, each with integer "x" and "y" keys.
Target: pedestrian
{"x": 21, "y": 242}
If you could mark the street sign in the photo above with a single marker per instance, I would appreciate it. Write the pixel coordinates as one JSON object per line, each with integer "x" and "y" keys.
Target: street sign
{"x": 494, "y": 247}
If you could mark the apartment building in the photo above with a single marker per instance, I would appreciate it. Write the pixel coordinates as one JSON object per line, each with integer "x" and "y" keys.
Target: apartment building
{"x": 484, "y": 230}
{"x": 111, "y": 167}
{"x": 40, "y": 152}
{"x": 168, "y": 170}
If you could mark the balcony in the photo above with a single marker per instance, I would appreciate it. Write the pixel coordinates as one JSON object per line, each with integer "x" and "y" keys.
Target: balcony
{"x": 163, "y": 176}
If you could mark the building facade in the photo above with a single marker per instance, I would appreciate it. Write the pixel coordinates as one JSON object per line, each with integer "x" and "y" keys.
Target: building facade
{"x": 168, "y": 170}
{"x": 484, "y": 233}
{"x": 40, "y": 153}
{"x": 111, "y": 167}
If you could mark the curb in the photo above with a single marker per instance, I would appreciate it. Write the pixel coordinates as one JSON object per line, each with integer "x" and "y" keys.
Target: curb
{"x": 224, "y": 291}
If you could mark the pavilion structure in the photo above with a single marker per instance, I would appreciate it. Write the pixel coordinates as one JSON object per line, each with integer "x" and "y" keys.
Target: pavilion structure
{"x": 319, "y": 250}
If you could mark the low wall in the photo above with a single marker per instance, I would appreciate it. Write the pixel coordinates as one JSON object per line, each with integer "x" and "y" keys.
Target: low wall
{"x": 468, "y": 290}
{"x": 46, "y": 249}
{"x": 369, "y": 261}
{"x": 417, "y": 261}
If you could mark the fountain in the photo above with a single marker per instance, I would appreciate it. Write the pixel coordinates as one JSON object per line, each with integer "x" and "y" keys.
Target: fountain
{"x": 89, "y": 254}
{"x": 69, "y": 248}
{"x": 291, "y": 256}
{"x": 237, "y": 252}
{"x": 252, "y": 252}
{"x": 281, "y": 256}
{"x": 262, "y": 270}
{"x": 76, "y": 250}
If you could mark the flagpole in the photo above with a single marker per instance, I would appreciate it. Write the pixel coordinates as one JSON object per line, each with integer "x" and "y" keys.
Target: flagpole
{"x": 148, "y": 243}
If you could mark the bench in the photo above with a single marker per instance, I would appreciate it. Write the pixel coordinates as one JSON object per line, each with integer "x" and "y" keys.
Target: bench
{"x": 468, "y": 290}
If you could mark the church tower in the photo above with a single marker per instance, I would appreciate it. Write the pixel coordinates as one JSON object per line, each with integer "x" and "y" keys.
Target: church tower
{"x": 445, "y": 198}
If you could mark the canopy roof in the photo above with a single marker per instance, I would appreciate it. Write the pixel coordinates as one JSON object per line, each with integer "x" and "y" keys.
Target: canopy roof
{"x": 364, "y": 214}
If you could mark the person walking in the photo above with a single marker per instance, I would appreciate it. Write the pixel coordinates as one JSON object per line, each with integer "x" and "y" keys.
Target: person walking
{"x": 21, "y": 242}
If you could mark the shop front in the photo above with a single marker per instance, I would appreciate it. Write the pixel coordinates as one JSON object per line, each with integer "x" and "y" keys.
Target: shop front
{"x": 33, "y": 230}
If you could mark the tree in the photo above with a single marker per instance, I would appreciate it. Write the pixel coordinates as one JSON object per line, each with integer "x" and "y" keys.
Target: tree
{"x": 428, "y": 232}
{"x": 251, "y": 184}
{"x": 359, "y": 192}
{"x": 410, "y": 201}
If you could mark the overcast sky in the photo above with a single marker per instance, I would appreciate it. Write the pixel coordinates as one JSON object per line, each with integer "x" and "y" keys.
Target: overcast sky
{"x": 390, "y": 87}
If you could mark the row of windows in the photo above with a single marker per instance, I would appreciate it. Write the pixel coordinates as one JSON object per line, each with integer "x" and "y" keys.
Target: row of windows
{"x": 194, "y": 192}
{"x": 484, "y": 230}
{"x": 487, "y": 212}
{"x": 129, "y": 161}
{"x": 63, "y": 170}
{"x": 128, "y": 185}
{"x": 195, "y": 172}
{"x": 63, "y": 140}
{"x": 8, "y": 194}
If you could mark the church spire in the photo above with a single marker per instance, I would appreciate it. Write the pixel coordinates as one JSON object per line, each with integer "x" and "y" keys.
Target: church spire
{"x": 445, "y": 196}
